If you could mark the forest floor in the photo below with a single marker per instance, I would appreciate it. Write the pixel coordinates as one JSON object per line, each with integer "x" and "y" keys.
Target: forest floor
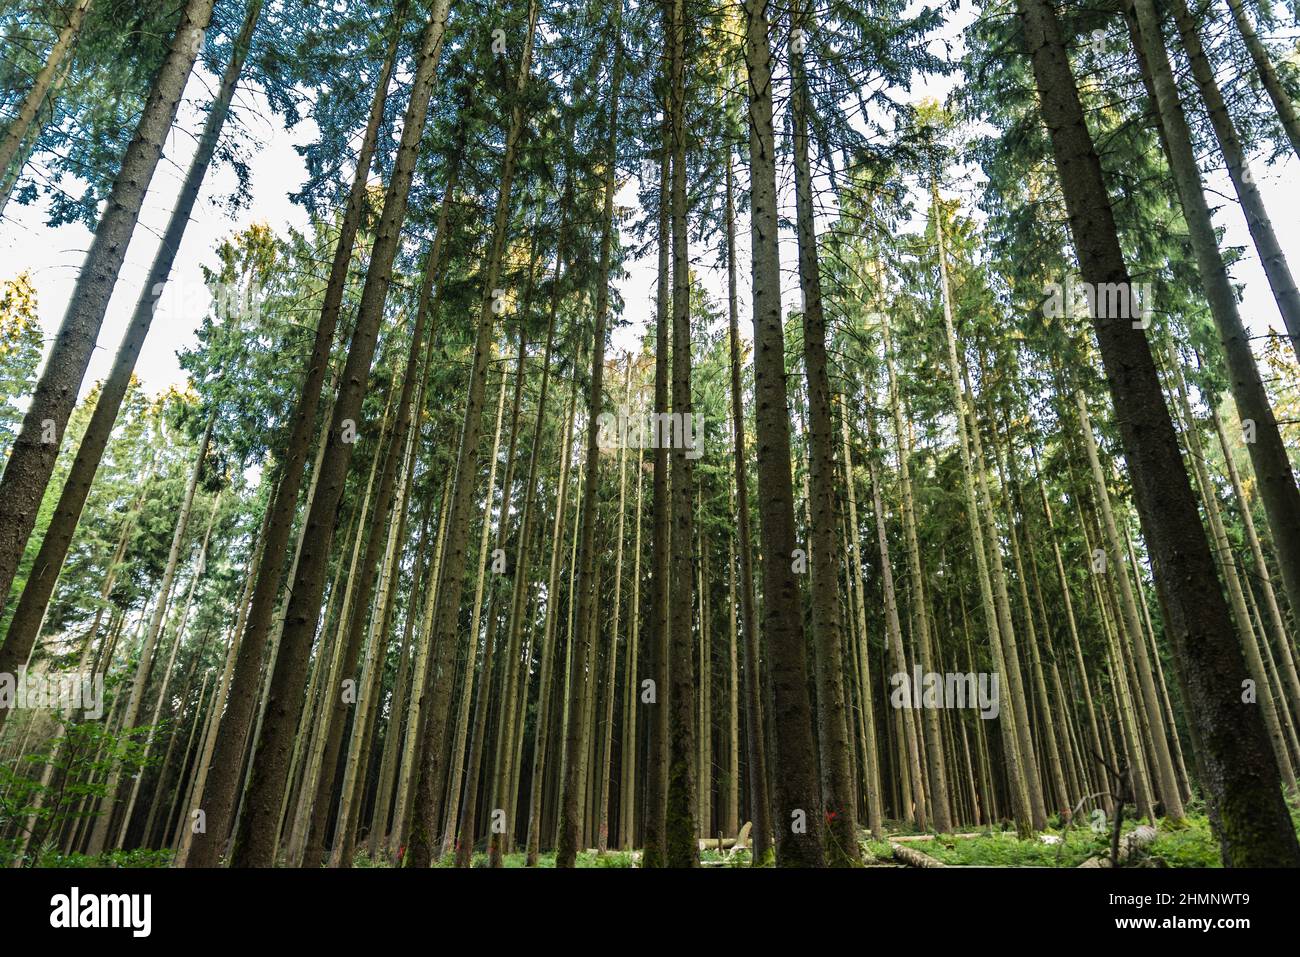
{"x": 1191, "y": 844}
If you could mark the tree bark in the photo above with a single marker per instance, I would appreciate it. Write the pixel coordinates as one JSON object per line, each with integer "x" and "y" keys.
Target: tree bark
{"x": 541, "y": 735}
{"x": 799, "y": 828}
{"x": 1241, "y": 777}
{"x": 255, "y": 842}
{"x": 581, "y": 684}
{"x": 834, "y": 744}
{"x": 220, "y": 790}
{"x": 76, "y": 487}
{"x": 653, "y": 850}
{"x": 32, "y": 455}
{"x": 1273, "y": 470}
{"x": 760, "y": 802}
{"x": 20, "y": 127}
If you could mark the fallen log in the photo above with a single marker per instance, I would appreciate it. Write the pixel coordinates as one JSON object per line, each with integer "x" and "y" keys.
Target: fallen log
{"x": 912, "y": 857}
{"x": 905, "y": 838}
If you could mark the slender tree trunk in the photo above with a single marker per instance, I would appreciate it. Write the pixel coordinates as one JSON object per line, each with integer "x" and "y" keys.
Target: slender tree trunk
{"x": 582, "y": 684}
{"x": 893, "y": 628}
{"x": 328, "y": 667}
{"x": 541, "y": 733}
{"x": 730, "y": 800}
{"x": 760, "y": 803}
{"x": 627, "y": 786}
{"x": 506, "y": 768}
{"x": 704, "y": 698}
{"x": 409, "y": 763}
{"x": 797, "y": 802}
{"x": 611, "y": 673}
{"x": 916, "y": 577}
{"x": 390, "y": 765}
{"x": 21, "y": 125}
{"x": 654, "y": 850}
{"x": 680, "y": 845}
{"x": 184, "y": 837}
{"x": 1268, "y": 454}
{"x": 433, "y": 706}
{"x": 458, "y": 812}
{"x": 833, "y": 739}
{"x": 358, "y": 757}
{"x": 32, "y": 455}
{"x": 255, "y": 843}
{"x": 220, "y": 790}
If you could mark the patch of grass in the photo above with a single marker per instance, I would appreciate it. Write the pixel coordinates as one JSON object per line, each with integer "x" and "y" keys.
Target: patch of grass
{"x": 1190, "y": 845}
{"x": 547, "y": 860}
{"x": 1007, "y": 850}
{"x": 878, "y": 851}
{"x": 142, "y": 857}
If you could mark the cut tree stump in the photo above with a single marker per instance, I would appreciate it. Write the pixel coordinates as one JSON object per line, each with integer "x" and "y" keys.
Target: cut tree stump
{"x": 738, "y": 843}
{"x": 1139, "y": 837}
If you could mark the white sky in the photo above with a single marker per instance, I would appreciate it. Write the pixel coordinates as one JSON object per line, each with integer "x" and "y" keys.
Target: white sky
{"x": 53, "y": 256}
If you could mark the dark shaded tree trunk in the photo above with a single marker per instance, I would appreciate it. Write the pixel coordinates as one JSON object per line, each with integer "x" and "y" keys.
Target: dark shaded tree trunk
{"x": 657, "y": 758}
{"x": 255, "y": 841}
{"x": 833, "y": 739}
{"x": 760, "y": 803}
{"x": 31, "y": 458}
{"x": 76, "y": 487}
{"x": 220, "y": 790}
{"x": 797, "y": 802}
{"x": 1241, "y": 777}
{"x": 680, "y": 845}
{"x": 434, "y": 704}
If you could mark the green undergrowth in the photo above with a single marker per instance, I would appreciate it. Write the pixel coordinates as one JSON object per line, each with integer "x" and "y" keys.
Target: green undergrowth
{"x": 111, "y": 859}
{"x": 879, "y": 851}
{"x": 1188, "y": 843}
{"x": 1006, "y": 849}
{"x": 1191, "y": 845}
{"x": 547, "y": 860}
